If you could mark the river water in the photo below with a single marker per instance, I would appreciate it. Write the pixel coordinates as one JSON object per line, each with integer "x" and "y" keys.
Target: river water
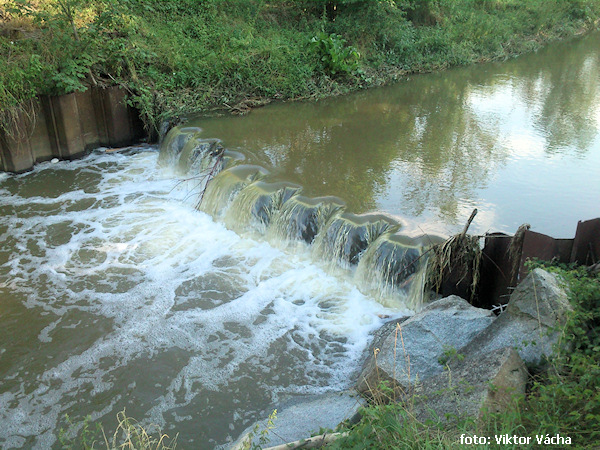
{"x": 519, "y": 140}
{"x": 115, "y": 292}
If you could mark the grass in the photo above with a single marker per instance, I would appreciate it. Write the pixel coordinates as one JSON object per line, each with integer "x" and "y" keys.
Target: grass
{"x": 129, "y": 435}
{"x": 184, "y": 56}
{"x": 564, "y": 401}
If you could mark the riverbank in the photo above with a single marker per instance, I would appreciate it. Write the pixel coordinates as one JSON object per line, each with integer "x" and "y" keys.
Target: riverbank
{"x": 560, "y": 407}
{"x": 187, "y": 57}
{"x": 512, "y": 386}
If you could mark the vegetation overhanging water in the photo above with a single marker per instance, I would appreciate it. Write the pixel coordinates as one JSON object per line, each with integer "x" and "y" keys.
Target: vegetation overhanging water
{"x": 100, "y": 258}
{"x": 179, "y": 56}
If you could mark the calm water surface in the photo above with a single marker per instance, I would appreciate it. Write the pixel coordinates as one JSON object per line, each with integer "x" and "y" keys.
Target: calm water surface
{"x": 115, "y": 293}
{"x": 518, "y": 140}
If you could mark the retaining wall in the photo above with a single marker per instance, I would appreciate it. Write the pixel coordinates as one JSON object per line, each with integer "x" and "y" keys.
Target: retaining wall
{"x": 68, "y": 126}
{"x": 499, "y": 275}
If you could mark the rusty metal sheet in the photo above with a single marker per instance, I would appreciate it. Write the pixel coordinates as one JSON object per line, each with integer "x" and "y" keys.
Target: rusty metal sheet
{"x": 586, "y": 246}
{"x": 496, "y": 271}
{"x": 565, "y": 247}
{"x": 537, "y": 245}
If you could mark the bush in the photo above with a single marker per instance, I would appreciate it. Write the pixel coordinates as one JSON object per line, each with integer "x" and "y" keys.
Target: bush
{"x": 190, "y": 56}
{"x": 336, "y": 57}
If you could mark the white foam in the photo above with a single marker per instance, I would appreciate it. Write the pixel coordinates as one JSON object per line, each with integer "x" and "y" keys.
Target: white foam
{"x": 142, "y": 285}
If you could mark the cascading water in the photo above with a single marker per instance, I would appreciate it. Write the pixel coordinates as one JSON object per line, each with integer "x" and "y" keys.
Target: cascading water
{"x": 226, "y": 185}
{"x": 347, "y": 236}
{"x": 301, "y": 218}
{"x": 393, "y": 265}
{"x": 136, "y": 300}
{"x": 257, "y": 203}
{"x": 390, "y": 266}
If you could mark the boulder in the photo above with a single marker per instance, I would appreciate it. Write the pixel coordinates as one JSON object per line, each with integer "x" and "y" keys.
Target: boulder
{"x": 413, "y": 352}
{"x": 300, "y": 418}
{"x": 381, "y": 334}
{"x": 537, "y": 310}
{"x": 472, "y": 386}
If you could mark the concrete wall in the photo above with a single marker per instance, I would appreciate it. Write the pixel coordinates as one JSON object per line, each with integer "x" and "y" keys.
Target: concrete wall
{"x": 68, "y": 126}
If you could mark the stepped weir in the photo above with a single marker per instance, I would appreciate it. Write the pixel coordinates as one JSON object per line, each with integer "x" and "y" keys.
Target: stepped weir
{"x": 246, "y": 198}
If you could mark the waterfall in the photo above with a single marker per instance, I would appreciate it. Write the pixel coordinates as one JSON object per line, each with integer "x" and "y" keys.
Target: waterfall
{"x": 394, "y": 265}
{"x": 347, "y": 236}
{"x": 257, "y": 203}
{"x": 381, "y": 260}
{"x": 174, "y": 142}
{"x": 301, "y": 218}
{"x": 223, "y": 188}
{"x": 197, "y": 155}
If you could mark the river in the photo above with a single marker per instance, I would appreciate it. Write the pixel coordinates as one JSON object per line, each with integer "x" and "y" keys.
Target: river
{"x": 115, "y": 292}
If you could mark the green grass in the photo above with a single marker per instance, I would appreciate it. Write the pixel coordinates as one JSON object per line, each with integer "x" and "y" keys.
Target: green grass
{"x": 563, "y": 401}
{"x": 128, "y": 435}
{"x": 187, "y": 56}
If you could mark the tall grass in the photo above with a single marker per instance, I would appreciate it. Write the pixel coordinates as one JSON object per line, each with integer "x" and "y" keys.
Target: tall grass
{"x": 183, "y": 56}
{"x": 128, "y": 435}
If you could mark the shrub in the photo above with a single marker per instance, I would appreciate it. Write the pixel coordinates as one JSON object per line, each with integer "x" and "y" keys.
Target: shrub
{"x": 336, "y": 57}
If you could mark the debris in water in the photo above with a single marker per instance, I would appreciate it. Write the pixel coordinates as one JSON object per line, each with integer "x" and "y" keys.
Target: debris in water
{"x": 455, "y": 261}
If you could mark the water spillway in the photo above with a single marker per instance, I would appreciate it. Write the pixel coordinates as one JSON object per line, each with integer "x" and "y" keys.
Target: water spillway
{"x": 301, "y": 218}
{"x": 128, "y": 282}
{"x": 244, "y": 198}
{"x": 196, "y": 320}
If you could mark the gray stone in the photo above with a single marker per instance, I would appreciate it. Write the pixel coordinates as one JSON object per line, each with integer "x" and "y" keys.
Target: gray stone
{"x": 413, "y": 353}
{"x": 300, "y": 418}
{"x": 381, "y": 334}
{"x": 541, "y": 297}
{"x": 471, "y": 387}
{"x": 532, "y": 322}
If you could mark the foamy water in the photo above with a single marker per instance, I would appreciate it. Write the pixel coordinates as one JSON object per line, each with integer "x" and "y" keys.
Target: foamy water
{"x": 116, "y": 293}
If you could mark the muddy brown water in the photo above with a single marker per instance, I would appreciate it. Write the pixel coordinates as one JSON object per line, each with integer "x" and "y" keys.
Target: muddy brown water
{"x": 518, "y": 140}
{"x": 116, "y": 293}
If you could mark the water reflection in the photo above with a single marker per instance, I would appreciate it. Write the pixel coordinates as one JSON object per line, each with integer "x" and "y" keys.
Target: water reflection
{"x": 433, "y": 147}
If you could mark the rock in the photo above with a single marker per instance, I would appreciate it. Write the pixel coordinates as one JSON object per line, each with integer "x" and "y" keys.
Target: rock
{"x": 414, "y": 354}
{"x": 552, "y": 306}
{"x": 531, "y": 324}
{"x": 381, "y": 334}
{"x": 299, "y": 419}
{"x": 471, "y": 387}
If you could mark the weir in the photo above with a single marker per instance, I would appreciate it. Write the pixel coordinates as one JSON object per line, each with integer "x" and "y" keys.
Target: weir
{"x": 221, "y": 190}
{"x": 257, "y": 203}
{"x": 382, "y": 261}
{"x": 173, "y": 144}
{"x": 393, "y": 264}
{"x": 348, "y": 235}
{"x": 117, "y": 293}
{"x": 301, "y": 218}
